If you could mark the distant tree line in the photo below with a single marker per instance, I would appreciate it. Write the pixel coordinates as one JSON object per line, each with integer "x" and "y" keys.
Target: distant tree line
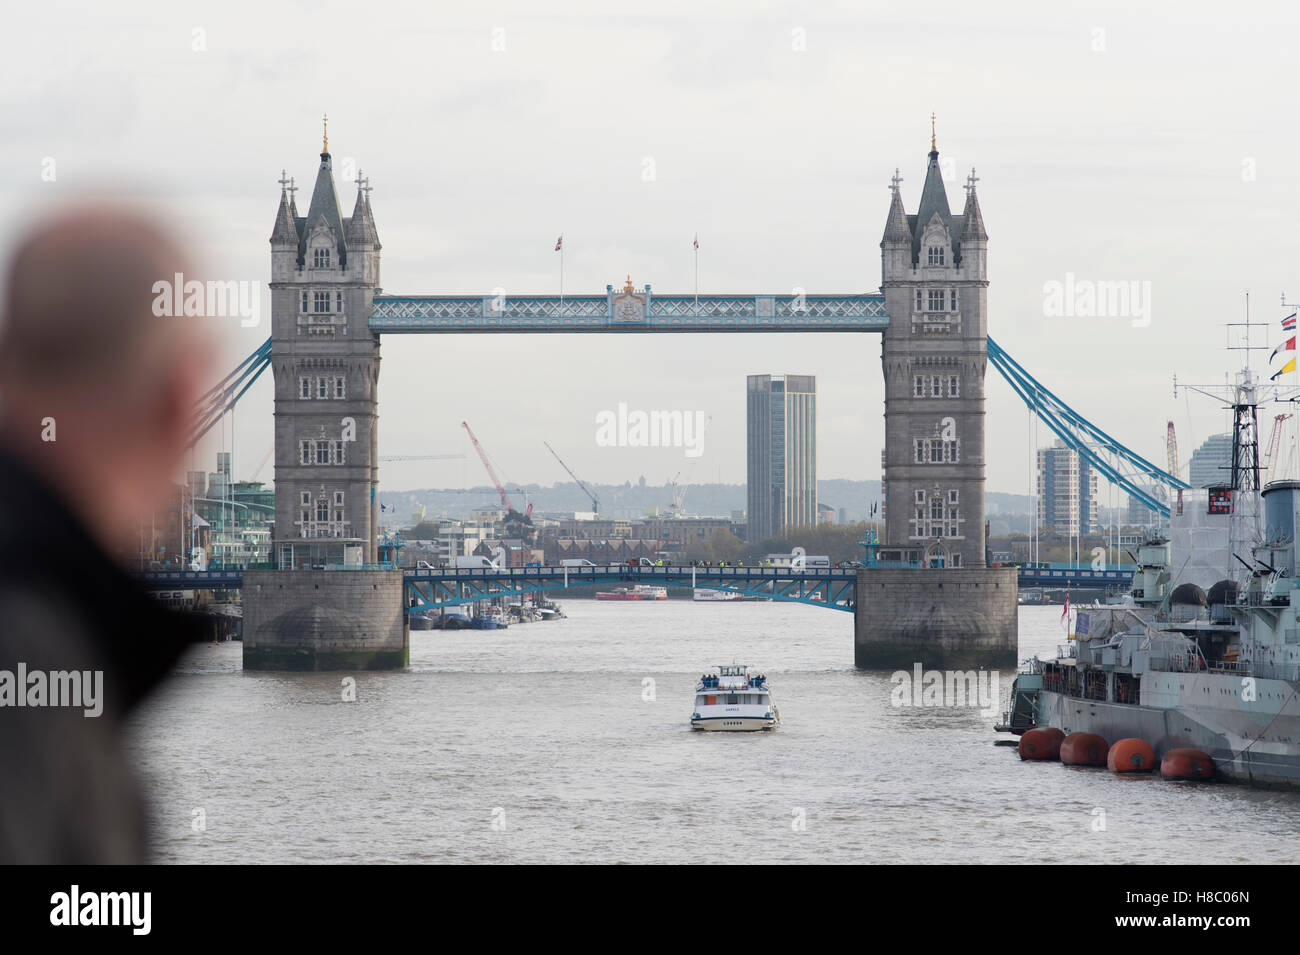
{"x": 838, "y": 542}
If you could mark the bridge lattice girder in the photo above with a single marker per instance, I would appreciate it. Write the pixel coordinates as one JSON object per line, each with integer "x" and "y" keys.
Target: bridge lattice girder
{"x": 825, "y": 587}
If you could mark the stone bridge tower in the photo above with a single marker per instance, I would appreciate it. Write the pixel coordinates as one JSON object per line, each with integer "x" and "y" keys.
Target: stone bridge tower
{"x": 934, "y": 353}
{"x": 325, "y": 359}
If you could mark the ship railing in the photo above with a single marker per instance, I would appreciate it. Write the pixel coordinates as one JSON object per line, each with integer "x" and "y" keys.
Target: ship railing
{"x": 1276, "y": 671}
{"x": 1265, "y": 671}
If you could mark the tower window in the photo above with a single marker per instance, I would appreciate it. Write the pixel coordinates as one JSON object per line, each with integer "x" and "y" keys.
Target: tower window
{"x": 338, "y": 452}
{"x": 953, "y": 296}
{"x": 320, "y": 258}
{"x": 934, "y": 255}
{"x": 936, "y": 300}
{"x": 918, "y": 300}
{"x": 322, "y": 452}
{"x": 954, "y": 386}
{"x": 304, "y": 387}
{"x": 322, "y": 388}
{"x": 321, "y": 302}
{"x": 304, "y": 301}
{"x": 340, "y": 387}
{"x": 918, "y": 387}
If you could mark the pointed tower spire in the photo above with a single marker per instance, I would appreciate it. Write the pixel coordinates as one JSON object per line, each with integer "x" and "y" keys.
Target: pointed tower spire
{"x": 361, "y": 232}
{"x": 973, "y": 228}
{"x": 934, "y": 200}
{"x": 896, "y": 222}
{"x": 286, "y": 229}
{"x": 324, "y": 207}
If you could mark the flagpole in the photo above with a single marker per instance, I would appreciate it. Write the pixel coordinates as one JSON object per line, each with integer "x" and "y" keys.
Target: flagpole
{"x": 696, "y": 244}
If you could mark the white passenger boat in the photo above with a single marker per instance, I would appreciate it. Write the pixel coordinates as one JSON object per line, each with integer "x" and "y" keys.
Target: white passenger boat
{"x": 704, "y": 594}
{"x": 733, "y": 701}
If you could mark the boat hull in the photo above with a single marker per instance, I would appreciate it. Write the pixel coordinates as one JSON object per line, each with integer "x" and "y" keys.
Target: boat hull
{"x": 734, "y": 724}
{"x": 1249, "y": 742}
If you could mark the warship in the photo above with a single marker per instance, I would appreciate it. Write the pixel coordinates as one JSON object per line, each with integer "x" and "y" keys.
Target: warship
{"x": 1204, "y": 650}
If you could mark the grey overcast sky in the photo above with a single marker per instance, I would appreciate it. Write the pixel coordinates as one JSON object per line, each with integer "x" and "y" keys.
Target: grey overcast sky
{"x": 1154, "y": 143}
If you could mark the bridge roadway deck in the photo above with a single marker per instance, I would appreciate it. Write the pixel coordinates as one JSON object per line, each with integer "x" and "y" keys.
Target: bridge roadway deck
{"x": 830, "y": 587}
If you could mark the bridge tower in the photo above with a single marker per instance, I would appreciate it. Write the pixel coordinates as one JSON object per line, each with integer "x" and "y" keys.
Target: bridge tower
{"x": 307, "y": 614}
{"x": 325, "y": 359}
{"x": 959, "y": 613}
{"x": 934, "y": 354}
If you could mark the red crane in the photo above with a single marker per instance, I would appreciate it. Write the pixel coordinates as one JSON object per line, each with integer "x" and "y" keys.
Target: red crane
{"x": 505, "y": 498}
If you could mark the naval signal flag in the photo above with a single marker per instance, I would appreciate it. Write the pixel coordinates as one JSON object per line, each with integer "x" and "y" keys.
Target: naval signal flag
{"x": 1288, "y": 323}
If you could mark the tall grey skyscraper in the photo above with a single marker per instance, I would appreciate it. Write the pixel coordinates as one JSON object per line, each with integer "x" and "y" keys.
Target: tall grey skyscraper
{"x": 1067, "y": 491}
{"x": 1211, "y": 463}
{"x": 781, "y": 415}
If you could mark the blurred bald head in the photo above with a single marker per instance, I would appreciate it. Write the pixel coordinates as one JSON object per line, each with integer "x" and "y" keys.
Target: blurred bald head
{"x": 78, "y": 295}
{"x": 81, "y": 346}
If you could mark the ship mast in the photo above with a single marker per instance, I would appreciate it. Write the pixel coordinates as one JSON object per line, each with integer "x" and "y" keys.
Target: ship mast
{"x": 1241, "y": 398}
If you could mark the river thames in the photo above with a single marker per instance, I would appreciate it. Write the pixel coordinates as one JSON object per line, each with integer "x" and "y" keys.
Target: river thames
{"x": 569, "y": 741}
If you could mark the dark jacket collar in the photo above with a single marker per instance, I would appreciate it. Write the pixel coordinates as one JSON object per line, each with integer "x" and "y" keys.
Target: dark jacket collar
{"x": 45, "y": 548}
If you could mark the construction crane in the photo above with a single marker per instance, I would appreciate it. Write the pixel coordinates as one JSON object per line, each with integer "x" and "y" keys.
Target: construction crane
{"x": 677, "y": 508}
{"x": 496, "y": 481}
{"x": 1274, "y": 439}
{"x": 261, "y": 464}
{"x": 1171, "y": 449}
{"x": 595, "y": 501}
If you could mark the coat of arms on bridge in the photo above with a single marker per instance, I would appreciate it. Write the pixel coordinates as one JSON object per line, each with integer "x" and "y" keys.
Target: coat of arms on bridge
{"x": 628, "y": 306}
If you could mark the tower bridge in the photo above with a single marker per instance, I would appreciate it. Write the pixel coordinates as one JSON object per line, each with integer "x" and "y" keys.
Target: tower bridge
{"x": 329, "y": 312}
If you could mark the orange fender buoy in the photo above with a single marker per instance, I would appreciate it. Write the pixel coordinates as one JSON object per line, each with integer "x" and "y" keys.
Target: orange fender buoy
{"x": 1084, "y": 749}
{"x": 1187, "y": 764}
{"x": 1043, "y": 742}
{"x": 1131, "y": 755}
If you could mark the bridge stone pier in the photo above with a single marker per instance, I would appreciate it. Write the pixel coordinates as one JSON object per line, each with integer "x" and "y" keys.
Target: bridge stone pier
{"x": 955, "y": 619}
{"x": 929, "y": 598}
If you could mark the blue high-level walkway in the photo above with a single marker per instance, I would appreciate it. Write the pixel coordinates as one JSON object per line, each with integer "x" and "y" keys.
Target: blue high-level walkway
{"x": 628, "y": 310}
